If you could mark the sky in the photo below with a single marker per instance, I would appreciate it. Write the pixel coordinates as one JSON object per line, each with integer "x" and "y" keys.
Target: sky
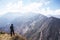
{"x": 45, "y": 7}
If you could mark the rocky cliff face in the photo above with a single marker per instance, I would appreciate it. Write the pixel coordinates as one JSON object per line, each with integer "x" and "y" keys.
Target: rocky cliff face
{"x": 50, "y": 30}
{"x": 42, "y": 32}
{"x": 32, "y": 33}
{"x": 54, "y": 29}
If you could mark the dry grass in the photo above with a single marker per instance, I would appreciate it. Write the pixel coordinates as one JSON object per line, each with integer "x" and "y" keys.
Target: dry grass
{"x": 8, "y": 37}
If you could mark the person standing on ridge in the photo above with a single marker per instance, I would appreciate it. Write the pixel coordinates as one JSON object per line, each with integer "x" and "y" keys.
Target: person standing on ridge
{"x": 12, "y": 30}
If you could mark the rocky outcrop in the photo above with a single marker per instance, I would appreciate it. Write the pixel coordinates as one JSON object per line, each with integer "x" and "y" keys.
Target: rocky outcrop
{"x": 42, "y": 32}
{"x": 50, "y": 30}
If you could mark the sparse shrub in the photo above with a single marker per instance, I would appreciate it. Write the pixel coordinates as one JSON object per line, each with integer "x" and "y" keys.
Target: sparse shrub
{"x": 2, "y": 32}
{"x": 18, "y": 38}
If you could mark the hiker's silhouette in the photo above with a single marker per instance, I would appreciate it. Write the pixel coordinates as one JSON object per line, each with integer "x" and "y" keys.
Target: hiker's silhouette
{"x": 12, "y": 30}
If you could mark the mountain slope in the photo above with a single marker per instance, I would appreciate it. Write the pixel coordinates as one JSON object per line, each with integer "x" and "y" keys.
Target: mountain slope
{"x": 22, "y": 22}
{"x": 50, "y": 30}
{"x": 41, "y": 31}
{"x": 28, "y": 25}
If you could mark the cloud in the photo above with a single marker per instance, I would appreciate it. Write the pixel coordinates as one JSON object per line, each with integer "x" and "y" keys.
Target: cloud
{"x": 35, "y": 7}
{"x": 32, "y": 7}
{"x": 19, "y": 7}
{"x": 11, "y": 7}
{"x": 57, "y": 12}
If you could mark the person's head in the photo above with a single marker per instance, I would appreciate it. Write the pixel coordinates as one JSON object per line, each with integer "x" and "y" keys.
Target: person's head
{"x": 11, "y": 24}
